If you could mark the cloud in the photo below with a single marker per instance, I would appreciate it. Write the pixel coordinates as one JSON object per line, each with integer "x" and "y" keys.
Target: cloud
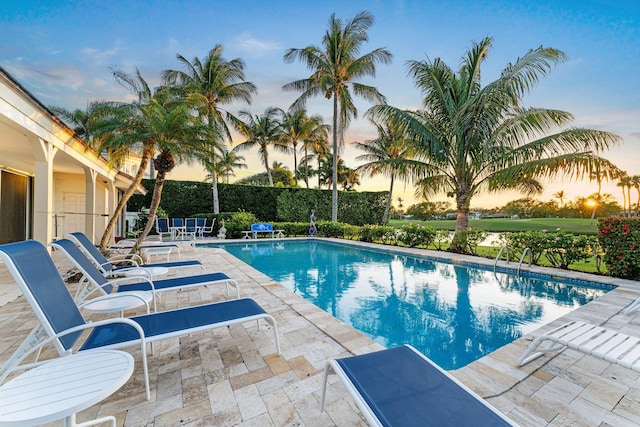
{"x": 98, "y": 56}
{"x": 254, "y": 47}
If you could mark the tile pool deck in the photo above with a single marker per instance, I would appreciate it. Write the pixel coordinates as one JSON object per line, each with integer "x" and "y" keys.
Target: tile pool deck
{"x": 232, "y": 376}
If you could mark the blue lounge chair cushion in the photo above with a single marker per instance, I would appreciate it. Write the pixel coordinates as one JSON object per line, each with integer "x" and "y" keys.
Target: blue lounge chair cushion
{"x": 165, "y": 323}
{"x": 402, "y": 390}
{"x": 176, "y": 282}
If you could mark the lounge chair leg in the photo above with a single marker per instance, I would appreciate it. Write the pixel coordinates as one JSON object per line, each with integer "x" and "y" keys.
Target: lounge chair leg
{"x": 324, "y": 385}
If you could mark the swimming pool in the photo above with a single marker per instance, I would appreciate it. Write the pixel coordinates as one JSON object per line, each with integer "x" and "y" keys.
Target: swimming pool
{"x": 453, "y": 313}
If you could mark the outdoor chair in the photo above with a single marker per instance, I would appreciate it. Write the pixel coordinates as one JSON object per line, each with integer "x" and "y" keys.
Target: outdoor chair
{"x": 190, "y": 228}
{"x": 202, "y": 226}
{"x": 607, "y": 344}
{"x": 401, "y": 387}
{"x": 109, "y": 269}
{"x": 177, "y": 227}
{"x": 97, "y": 283}
{"x": 61, "y": 322}
{"x": 162, "y": 227}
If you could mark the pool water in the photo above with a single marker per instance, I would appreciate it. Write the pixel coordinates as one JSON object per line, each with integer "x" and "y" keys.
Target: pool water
{"x": 453, "y": 313}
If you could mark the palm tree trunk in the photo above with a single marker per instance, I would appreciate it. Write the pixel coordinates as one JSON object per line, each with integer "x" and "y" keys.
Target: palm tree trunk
{"x": 334, "y": 193}
{"x": 214, "y": 191}
{"x": 458, "y": 244}
{"x": 144, "y": 162}
{"x": 295, "y": 163}
{"x": 385, "y": 217}
{"x": 153, "y": 209}
{"x": 266, "y": 165}
{"x": 306, "y": 166}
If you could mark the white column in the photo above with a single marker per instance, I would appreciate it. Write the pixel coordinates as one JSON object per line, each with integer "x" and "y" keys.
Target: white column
{"x": 90, "y": 203}
{"x": 43, "y": 191}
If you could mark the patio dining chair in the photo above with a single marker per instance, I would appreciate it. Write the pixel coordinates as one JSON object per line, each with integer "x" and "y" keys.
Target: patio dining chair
{"x": 400, "y": 386}
{"x": 61, "y": 322}
{"x": 190, "y": 228}
{"x": 202, "y": 226}
{"x": 177, "y": 228}
{"x": 106, "y": 266}
{"x": 162, "y": 227}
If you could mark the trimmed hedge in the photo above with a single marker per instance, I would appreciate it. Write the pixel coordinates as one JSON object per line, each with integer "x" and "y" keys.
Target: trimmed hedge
{"x": 269, "y": 204}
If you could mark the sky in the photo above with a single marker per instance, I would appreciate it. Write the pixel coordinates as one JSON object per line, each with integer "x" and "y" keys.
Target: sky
{"x": 63, "y": 53}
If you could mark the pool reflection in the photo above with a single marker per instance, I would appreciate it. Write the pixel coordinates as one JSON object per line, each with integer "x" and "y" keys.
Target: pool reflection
{"x": 454, "y": 314}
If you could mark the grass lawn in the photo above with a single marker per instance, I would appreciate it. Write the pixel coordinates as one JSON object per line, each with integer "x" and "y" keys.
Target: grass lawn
{"x": 498, "y": 225}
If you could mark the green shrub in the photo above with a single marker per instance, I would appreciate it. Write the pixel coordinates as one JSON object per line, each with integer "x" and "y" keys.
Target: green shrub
{"x": 416, "y": 235}
{"x": 620, "y": 241}
{"x": 468, "y": 240}
{"x": 560, "y": 248}
{"x": 376, "y": 233}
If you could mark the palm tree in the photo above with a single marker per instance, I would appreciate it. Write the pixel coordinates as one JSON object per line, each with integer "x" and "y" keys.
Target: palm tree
{"x": 625, "y": 184}
{"x": 473, "y": 137}
{"x": 560, "y": 195}
{"x": 261, "y": 131}
{"x": 227, "y": 162}
{"x": 298, "y": 127}
{"x": 178, "y": 135}
{"x": 210, "y": 83}
{"x": 390, "y": 154}
{"x": 121, "y": 128}
{"x": 335, "y": 67}
{"x": 635, "y": 182}
{"x": 82, "y": 121}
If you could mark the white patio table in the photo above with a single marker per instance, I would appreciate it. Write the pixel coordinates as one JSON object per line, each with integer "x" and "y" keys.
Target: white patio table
{"x": 61, "y": 387}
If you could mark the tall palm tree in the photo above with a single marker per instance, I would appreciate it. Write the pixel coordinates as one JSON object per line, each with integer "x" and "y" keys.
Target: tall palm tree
{"x": 121, "y": 128}
{"x": 473, "y": 137}
{"x": 390, "y": 154}
{"x": 211, "y": 83}
{"x": 318, "y": 145}
{"x": 625, "y": 183}
{"x": 336, "y": 67}
{"x": 297, "y": 127}
{"x": 635, "y": 182}
{"x": 261, "y": 131}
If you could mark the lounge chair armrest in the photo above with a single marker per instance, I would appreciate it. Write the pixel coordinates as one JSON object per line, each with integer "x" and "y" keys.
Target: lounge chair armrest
{"x": 134, "y": 259}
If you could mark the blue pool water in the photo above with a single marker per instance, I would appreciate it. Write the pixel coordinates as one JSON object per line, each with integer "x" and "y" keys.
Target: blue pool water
{"x": 454, "y": 314}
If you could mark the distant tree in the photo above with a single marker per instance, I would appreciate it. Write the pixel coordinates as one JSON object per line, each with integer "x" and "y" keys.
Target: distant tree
{"x": 560, "y": 195}
{"x": 336, "y": 67}
{"x": 428, "y": 210}
{"x": 262, "y": 131}
{"x": 391, "y": 155}
{"x": 227, "y": 162}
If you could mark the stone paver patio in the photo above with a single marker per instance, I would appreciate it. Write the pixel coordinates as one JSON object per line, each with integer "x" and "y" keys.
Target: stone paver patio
{"x": 232, "y": 376}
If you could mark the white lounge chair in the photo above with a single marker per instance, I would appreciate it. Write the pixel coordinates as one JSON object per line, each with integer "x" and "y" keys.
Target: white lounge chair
{"x": 607, "y": 344}
{"x": 106, "y": 266}
{"x": 401, "y": 387}
{"x": 97, "y": 282}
